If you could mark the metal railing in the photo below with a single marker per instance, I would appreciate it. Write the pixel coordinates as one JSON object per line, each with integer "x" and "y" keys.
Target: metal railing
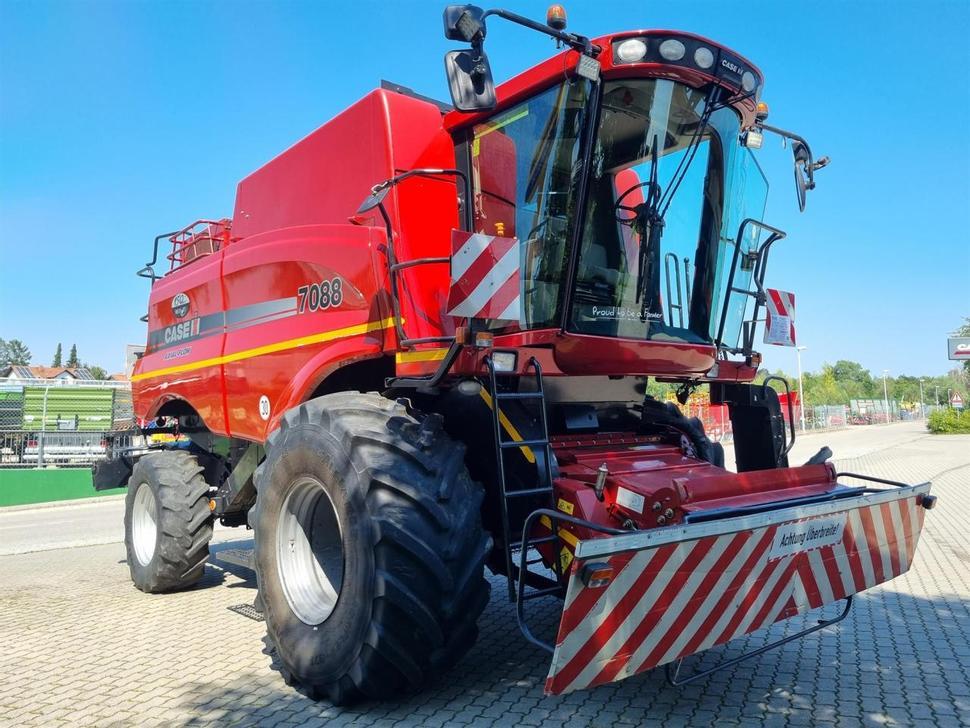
{"x": 59, "y": 422}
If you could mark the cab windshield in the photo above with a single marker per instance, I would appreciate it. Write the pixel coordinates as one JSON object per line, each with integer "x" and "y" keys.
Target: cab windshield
{"x": 669, "y": 185}
{"x": 659, "y": 216}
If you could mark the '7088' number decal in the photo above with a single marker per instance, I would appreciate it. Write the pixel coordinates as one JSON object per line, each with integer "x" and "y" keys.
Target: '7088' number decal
{"x": 320, "y": 296}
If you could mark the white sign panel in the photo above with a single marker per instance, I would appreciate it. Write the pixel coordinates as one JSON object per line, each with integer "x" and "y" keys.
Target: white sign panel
{"x": 780, "y": 321}
{"x": 805, "y": 535}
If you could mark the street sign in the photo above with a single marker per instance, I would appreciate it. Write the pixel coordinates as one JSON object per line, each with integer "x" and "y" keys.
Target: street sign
{"x": 956, "y": 401}
{"x": 780, "y": 321}
{"x": 959, "y": 348}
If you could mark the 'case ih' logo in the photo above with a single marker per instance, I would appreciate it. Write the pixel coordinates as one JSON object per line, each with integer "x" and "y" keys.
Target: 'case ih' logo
{"x": 180, "y": 305}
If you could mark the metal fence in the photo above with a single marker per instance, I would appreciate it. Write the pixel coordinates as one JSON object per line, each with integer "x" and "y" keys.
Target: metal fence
{"x": 60, "y": 422}
{"x": 717, "y": 420}
{"x": 67, "y": 423}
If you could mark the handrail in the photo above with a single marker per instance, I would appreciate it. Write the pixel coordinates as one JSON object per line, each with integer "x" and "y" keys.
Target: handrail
{"x": 758, "y": 278}
{"x": 554, "y": 517}
{"x": 791, "y": 412}
{"x": 176, "y": 237}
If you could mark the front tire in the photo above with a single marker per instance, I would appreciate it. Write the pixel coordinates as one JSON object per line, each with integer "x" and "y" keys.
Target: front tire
{"x": 369, "y": 548}
{"x": 168, "y": 524}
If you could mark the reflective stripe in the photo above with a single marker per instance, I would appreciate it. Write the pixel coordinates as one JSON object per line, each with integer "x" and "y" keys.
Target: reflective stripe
{"x": 565, "y": 535}
{"x": 508, "y": 427}
{"x": 322, "y": 337}
{"x": 407, "y": 357}
{"x": 688, "y": 588}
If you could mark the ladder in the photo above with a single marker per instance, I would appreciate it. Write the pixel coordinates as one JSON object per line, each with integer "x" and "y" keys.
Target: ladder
{"x": 541, "y": 584}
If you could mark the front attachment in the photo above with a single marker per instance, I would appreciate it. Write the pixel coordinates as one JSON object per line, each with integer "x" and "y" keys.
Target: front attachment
{"x": 679, "y": 590}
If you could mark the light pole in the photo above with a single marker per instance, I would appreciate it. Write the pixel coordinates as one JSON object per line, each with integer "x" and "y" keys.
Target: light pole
{"x": 937, "y": 398}
{"x": 922, "y": 409}
{"x": 885, "y": 393}
{"x": 801, "y": 394}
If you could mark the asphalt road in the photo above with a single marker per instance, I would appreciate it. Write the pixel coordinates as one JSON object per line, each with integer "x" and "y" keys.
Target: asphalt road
{"x": 90, "y": 523}
{"x": 69, "y": 524}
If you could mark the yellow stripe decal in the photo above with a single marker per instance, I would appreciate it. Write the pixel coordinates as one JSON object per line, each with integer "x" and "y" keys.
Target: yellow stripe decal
{"x": 407, "y": 357}
{"x": 323, "y": 336}
{"x": 565, "y": 535}
{"x": 509, "y": 427}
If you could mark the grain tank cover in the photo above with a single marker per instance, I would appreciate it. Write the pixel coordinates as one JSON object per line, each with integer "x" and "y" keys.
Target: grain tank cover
{"x": 323, "y": 177}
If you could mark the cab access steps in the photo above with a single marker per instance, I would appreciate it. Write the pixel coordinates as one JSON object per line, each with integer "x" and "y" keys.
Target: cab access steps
{"x": 519, "y": 574}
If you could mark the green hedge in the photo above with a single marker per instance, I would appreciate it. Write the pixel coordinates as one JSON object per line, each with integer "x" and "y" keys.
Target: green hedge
{"x": 949, "y": 421}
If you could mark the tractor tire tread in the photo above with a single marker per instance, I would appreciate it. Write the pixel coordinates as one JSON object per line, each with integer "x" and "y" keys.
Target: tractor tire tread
{"x": 426, "y": 515}
{"x": 185, "y": 526}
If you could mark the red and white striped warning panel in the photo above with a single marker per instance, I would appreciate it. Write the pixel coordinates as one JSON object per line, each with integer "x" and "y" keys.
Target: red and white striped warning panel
{"x": 679, "y": 590}
{"x": 780, "y": 324}
{"x": 484, "y": 277}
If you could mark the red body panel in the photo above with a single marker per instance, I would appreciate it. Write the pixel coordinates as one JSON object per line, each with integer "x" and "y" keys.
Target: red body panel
{"x": 291, "y": 228}
{"x": 278, "y": 244}
{"x": 200, "y": 386}
{"x": 273, "y": 266}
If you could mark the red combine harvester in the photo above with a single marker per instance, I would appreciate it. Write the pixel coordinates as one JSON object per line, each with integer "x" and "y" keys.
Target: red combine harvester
{"x": 451, "y": 375}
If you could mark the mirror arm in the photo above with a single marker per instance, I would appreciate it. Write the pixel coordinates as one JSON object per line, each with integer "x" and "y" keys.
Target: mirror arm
{"x": 812, "y": 164}
{"x": 574, "y": 41}
{"x": 430, "y": 172}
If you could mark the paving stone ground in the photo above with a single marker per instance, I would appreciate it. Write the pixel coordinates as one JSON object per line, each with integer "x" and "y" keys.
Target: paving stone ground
{"x": 80, "y": 646}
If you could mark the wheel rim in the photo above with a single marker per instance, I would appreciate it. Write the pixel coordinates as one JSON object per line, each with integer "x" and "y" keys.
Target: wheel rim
{"x": 309, "y": 551}
{"x": 144, "y": 524}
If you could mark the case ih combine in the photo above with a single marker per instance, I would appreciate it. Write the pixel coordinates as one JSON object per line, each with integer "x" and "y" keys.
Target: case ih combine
{"x": 451, "y": 375}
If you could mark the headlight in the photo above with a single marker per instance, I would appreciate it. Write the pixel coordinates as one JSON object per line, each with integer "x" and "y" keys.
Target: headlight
{"x": 503, "y": 361}
{"x": 672, "y": 50}
{"x": 631, "y": 51}
{"x": 691, "y": 53}
{"x": 704, "y": 57}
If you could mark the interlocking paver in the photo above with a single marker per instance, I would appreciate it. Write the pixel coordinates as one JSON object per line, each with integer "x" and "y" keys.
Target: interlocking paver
{"x": 81, "y": 644}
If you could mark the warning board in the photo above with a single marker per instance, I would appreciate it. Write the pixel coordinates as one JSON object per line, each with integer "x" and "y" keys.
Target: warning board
{"x": 956, "y": 401}
{"x": 958, "y": 348}
{"x": 780, "y": 324}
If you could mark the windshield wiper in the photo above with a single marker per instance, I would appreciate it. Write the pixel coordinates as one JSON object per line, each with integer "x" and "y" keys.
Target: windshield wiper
{"x": 650, "y": 224}
{"x": 651, "y": 213}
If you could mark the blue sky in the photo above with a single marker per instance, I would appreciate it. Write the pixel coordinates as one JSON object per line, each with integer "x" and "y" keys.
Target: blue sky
{"x": 121, "y": 119}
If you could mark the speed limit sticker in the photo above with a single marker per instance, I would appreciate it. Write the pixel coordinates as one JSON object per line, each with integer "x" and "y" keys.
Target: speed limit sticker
{"x": 264, "y": 407}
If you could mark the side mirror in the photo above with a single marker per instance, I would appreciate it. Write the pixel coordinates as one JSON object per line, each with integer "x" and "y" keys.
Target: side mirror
{"x": 375, "y": 198}
{"x": 464, "y": 22}
{"x": 803, "y": 172}
{"x": 805, "y": 164}
{"x": 470, "y": 80}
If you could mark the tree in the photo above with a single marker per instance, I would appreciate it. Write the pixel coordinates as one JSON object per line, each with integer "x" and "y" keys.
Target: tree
{"x": 72, "y": 360}
{"x": 96, "y": 371}
{"x": 856, "y": 382}
{"x": 57, "y": 356}
{"x": 14, "y": 352}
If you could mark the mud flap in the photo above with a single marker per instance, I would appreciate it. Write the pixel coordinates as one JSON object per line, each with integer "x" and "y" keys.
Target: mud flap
{"x": 680, "y": 590}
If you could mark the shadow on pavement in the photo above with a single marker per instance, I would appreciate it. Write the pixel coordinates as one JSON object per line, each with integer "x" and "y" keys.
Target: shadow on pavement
{"x": 897, "y": 659}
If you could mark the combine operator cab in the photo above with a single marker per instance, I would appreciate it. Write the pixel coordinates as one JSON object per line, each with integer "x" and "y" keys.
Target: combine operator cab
{"x": 422, "y": 347}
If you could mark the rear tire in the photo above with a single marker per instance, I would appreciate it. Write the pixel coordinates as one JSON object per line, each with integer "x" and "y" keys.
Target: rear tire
{"x": 168, "y": 524}
{"x": 369, "y": 548}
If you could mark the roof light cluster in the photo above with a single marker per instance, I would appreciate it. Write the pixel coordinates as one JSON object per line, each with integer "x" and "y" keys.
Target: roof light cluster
{"x": 688, "y": 52}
